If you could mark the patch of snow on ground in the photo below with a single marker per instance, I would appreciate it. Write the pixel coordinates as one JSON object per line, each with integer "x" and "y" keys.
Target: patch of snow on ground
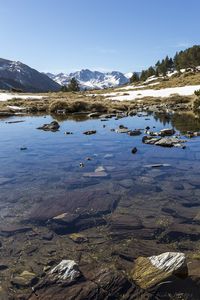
{"x": 167, "y": 92}
{"x": 135, "y": 87}
{"x": 170, "y": 74}
{"x": 9, "y": 96}
{"x": 152, "y": 78}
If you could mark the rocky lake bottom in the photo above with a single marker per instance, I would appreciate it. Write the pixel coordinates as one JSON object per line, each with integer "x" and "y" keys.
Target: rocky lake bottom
{"x": 90, "y": 199}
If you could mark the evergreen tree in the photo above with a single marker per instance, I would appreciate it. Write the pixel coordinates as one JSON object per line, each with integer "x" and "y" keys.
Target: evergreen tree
{"x": 134, "y": 77}
{"x": 73, "y": 86}
{"x": 143, "y": 75}
{"x": 64, "y": 88}
{"x": 150, "y": 72}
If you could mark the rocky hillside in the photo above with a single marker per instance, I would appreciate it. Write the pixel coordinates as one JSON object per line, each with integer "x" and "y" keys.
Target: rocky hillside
{"x": 92, "y": 79}
{"x": 14, "y": 74}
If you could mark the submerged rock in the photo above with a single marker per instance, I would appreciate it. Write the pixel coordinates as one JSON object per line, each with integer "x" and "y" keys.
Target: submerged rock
{"x": 150, "y": 271}
{"x": 78, "y": 238}
{"x": 96, "y": 174}
{"x": 11, "y": 230}
{"x": 134, "y": 150}
{"x": 25, "y": 279}
{"x": 100, "y": 169}
{"x": 104, "y": 283}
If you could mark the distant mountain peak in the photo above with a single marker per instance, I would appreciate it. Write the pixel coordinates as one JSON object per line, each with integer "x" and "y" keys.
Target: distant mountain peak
{"x": 92, "y": 79}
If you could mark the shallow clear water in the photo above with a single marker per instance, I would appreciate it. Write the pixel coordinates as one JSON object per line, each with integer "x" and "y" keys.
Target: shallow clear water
{"x": 50, "y": 165}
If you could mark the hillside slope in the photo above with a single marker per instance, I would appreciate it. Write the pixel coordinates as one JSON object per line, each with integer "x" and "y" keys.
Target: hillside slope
{"x": 14, "y": 74}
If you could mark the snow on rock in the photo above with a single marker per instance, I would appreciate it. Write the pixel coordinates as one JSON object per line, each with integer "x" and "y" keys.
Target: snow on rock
{"x": 155, "y": 270}
{"x": 66, "y": 270}
{"x": 169, "y": 261}
{"x": 166, "y": 92}
{"x": 10, "y": 96}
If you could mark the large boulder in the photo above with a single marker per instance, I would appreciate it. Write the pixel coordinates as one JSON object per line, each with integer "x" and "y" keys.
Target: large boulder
{"x": 150, "y": 271}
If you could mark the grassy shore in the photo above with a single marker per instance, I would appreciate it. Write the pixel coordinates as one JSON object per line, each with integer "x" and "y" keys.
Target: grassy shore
{"x": 93, "y": 101}
{"x": 81, "y": 102}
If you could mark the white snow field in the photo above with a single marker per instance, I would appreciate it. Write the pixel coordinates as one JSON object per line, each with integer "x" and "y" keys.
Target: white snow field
{"x": 10, "y": 96}
{"x": 138, "y": 94}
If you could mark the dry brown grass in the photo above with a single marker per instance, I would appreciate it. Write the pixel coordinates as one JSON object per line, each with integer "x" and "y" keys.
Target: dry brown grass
{"x": 179, "y": 80}
{"x": 86, "y": 102}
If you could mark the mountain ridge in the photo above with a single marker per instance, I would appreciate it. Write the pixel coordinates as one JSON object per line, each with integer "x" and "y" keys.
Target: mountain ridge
{"x": 88, "y": 79}
{"x": 16, "y": 75}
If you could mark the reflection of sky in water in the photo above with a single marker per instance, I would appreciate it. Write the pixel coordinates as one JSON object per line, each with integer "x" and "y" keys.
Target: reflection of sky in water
{"x": 51, "y": 162}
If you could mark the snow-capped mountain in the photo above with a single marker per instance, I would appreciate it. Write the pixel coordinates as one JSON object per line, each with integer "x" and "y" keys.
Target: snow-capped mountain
{"x": 14, "y": 74}
{"x": 92, "y": 79}
{"x": 129, "y": 74}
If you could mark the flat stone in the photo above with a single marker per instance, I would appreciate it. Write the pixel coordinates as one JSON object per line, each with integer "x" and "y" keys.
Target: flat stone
{"x": 13, "y": 229}
{"x": 25, "y": 279}
{"x": 95, "y": 174}
{"x": 122, "y": 130}
{"x": 100, "y": 169}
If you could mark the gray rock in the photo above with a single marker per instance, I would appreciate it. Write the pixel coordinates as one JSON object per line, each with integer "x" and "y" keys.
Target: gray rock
{"x": 134, "y": 132}
{"x": 134, "y": 150}
{"x": 164, "y": 142}
{"x": 167, "y": 132}
{"x": 122, "y": 130}
{"x": 89, "y": 132}
{"x": 53, "y": 126}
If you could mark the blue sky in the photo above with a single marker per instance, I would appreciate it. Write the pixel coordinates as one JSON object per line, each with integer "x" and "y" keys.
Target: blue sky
{"x": 124, "y": 35}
